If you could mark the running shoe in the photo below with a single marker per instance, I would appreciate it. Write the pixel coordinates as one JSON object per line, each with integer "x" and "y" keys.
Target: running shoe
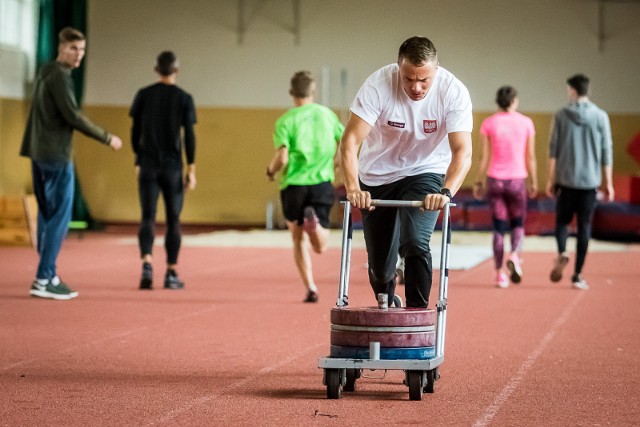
{"x": 171, "y": 280}
{"x": 514, "y": 268}
{"x": 57, "y": 292}
{"x": 502, "y": 281}
{"x": 556, "y": 273}
{"x": 311, "y": 220}
{"x": 578, "y": 282}
{"x": 146, "y": 279}
{"x": 312, "y": 296}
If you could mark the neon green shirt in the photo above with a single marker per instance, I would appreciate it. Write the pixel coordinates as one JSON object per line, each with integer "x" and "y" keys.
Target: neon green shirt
{"x": 310, "y": 133}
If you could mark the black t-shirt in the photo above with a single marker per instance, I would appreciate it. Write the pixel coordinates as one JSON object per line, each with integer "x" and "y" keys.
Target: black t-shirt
{"x": 159, "y": 111}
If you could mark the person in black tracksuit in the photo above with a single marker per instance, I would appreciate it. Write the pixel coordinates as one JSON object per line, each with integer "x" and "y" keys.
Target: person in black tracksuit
{"x": 160, "y": 112}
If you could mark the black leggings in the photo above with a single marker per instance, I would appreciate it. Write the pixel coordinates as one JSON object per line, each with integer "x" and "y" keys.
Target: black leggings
{"x": 570, "y": 201}
{"x": 150, "y": 183}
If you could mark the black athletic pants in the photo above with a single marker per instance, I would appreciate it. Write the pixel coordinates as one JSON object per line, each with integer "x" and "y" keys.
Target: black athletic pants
{"x": 570, "y": 201}
{"x": 150, "y": 183}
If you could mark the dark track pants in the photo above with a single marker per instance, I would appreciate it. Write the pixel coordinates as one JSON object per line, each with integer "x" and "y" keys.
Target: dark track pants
{"x": 150, "y": 183}
{"x": 570, "y": 201}
{"x": 405, "y": 231}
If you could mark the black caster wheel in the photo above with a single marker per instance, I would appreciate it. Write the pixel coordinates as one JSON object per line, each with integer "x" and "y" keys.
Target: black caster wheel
{"x": 430, "y": 385}
{"x": 352, "y": 376}
{"x": 414, "y": 380}
{"x": 334, "y": 388}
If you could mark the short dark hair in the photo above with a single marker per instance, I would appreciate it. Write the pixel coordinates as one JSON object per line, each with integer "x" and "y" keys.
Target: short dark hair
{"x": 166, "y": 63}
{"x": 505, "y": 96}
{"x": 69, "y": 34}
{"x": 418, "y": 50}
{"x": 580, "y": 83}
{"x": 301, "y": 84}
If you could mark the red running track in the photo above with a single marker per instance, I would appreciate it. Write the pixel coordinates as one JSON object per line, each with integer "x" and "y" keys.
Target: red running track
{"x": 237, "y": 346}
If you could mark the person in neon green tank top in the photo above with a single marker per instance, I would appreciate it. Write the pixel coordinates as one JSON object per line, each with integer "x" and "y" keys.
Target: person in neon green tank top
{"x": 305, "y": 140}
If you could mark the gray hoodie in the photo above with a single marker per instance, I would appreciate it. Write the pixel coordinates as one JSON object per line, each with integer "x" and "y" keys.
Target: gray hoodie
{"x": 581, "y": 143}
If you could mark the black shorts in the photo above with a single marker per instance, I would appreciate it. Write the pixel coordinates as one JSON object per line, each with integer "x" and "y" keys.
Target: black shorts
{"x": 295, "y": 198}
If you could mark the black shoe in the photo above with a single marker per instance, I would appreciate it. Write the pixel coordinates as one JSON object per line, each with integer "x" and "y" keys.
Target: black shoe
{"x": 171, "y": 280}
{"x": 146, "y": 280}
{"x": 312, "y": 296}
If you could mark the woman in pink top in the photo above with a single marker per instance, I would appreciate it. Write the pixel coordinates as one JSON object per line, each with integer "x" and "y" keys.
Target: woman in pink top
{"x": 508, "y": 152}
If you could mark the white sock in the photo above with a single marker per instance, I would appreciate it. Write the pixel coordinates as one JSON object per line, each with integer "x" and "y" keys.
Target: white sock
{"x": 55, "y": 281}
{"x": 313, "y": 288}
{"x": 42, "y": 281}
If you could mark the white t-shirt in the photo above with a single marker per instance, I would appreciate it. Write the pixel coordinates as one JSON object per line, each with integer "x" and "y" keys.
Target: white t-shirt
{"x": 409, "y": 137}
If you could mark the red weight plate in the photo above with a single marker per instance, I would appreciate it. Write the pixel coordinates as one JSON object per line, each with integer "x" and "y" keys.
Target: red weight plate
{"x": 373, "y": 316}
{"x": 386, "y": 339}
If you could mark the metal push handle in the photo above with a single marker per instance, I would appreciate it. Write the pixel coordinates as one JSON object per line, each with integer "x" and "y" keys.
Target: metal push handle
{"x": 397, "y": 203}
{"x": 345, "y": 261}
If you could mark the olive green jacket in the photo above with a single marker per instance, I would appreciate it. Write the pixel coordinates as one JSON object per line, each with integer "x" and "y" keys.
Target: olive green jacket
{"x": 53, "y": 117}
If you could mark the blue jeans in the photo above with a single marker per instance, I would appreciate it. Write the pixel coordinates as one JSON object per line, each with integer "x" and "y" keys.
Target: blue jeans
{"x": 53, "y": 187}
{"x": 405, "y": 231}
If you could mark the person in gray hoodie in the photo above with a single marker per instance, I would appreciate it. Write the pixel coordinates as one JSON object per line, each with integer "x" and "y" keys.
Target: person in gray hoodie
{"x": 580, "y": 156}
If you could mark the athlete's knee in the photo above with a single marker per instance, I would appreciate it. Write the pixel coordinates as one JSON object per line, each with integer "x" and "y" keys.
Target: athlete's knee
{"x": 499, "y": 226}
{"x": 517, "y": 222}
{"x": 414, "y": 247}
{"x": 380, "y": 277}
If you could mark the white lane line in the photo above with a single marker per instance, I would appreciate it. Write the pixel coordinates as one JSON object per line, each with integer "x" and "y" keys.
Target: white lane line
{"x": 491, "y": 411}
{"x": 207, "y": 398}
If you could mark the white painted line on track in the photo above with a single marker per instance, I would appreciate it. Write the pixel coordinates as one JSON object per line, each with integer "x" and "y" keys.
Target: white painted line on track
{"x": 491, "y": 411}
{"x": 207, "y": 398}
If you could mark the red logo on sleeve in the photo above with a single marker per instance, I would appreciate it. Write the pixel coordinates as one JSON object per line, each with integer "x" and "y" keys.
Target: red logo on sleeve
{"x": 429, "y": 126}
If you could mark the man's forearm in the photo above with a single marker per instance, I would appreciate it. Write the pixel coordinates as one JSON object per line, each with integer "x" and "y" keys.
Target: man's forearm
{"x": 461, "y": 148}
{"x": 457, "y": 172}
{"x": 349, "y": 164}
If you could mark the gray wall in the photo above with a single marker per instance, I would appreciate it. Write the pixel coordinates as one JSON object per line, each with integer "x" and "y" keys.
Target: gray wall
{"x": 533, "y": 45}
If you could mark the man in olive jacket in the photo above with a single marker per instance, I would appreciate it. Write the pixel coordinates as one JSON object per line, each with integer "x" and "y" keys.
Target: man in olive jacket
{"x": 47, "y": 142}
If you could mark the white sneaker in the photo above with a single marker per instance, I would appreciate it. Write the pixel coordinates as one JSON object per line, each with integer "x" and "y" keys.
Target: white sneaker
{"x": 579, "y": 283}
{"x": 501, "y": 280}
{"x": 514, "y": 267}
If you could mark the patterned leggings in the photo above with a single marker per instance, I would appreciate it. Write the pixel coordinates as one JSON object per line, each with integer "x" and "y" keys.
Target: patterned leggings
{"x": 508, "y": 202}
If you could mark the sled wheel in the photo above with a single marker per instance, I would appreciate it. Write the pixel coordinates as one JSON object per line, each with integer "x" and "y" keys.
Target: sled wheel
{"x": 333, "y": 383}
{"x": 415, "y": 385}
{"x": 430, "y": 386}
{"x": 352, "y": 376}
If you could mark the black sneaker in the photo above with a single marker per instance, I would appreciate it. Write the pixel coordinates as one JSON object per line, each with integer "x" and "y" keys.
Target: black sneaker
{"x": 171, "y": 280}
{"x": 312, "y": 296}
{"x": 146, "y": 280}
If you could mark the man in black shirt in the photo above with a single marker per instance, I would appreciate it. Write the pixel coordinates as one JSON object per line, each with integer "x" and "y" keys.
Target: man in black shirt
{"x": 159, "y": 112}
